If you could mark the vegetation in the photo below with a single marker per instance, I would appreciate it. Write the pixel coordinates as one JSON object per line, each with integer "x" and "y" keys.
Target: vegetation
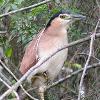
{"x": 18, "y": 29}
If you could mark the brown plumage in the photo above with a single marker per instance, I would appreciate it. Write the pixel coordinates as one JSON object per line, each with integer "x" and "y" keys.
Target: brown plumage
{"x": 29, "y": 58}
{"x": 49, "y": 40}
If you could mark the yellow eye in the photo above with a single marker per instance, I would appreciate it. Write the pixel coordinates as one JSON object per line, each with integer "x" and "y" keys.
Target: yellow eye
{"x": 62, "y": 16}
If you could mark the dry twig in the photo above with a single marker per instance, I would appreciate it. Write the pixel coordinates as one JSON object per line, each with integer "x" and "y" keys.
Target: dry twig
{"x": 9, "y": 88}
{"x": 73, "y": 74}
{"x": 97, "y": 2}
{"x": 17, "y": 80}
{"x": 69, "y": 76}
{"x": 25, "y": 8}
{"x": 3, "y": 32}
{"x": 87, "y": 62}
{"x": 37, "y": 66}
{"x": 85, "y": 54}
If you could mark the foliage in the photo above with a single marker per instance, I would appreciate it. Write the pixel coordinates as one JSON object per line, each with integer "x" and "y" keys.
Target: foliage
{"x": 22, "y": 23}
{"x": 8, "y": 52}
{"x": 75, "y": 33}
{"x": 25, "y": 25}
{"x": 72, "y": 65}
{"x": 1, "y": 2}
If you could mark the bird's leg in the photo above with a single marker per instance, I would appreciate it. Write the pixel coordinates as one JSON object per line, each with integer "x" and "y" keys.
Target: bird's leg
{"x": 41, "y": 92}
{"x": 45, "y": 75}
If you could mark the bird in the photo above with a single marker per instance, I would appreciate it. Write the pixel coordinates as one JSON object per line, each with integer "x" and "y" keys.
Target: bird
{"x": 51, "y": 38}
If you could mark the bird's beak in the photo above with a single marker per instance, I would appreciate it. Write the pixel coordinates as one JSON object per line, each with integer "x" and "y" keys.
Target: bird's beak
{"x": 77, "y": 17}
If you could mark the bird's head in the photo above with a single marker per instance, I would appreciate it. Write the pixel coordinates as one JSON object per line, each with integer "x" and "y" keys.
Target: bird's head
{"x": 63, "y": 19}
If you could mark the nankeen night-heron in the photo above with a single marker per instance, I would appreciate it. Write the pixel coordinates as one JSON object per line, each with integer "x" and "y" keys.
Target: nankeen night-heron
{"x": 49, "y": 40}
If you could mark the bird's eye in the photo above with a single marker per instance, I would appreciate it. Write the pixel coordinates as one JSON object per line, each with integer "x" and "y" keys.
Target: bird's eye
{"x": 62, "y": 16}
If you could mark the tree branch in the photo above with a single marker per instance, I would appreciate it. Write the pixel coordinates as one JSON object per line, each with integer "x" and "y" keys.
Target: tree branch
{"x": 3, "y": 32}
{"x": 87, "y": 62}
{"x": 17, "y": 80}
{"x": 70, "y": 76}
{"x": 25, "y": 8}
{"x": 97, "y": 2}
{"x": 9, "y": 88}
{"x": 85, "y": 67}
{"x": 85, "y": 54}
{"x": 33, "y": 69}
{"x": 73, "y": 74}
{"x": 4, "y": 78}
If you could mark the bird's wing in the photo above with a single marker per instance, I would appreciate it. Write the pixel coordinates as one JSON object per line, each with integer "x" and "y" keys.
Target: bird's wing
{"x": 30, "y": 56}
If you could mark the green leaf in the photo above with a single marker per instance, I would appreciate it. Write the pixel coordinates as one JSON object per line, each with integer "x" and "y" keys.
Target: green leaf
{"x": 76, "y": 65}
{"x": 13, "y": 81}
{"x": 18, "y": 1}
{"x": 8, "y": 52}
{"x": 72, "y": 65}
{"x": 14, "y": 7}
{"x": 38, "y": 10}
{"x": 1, "y": 2}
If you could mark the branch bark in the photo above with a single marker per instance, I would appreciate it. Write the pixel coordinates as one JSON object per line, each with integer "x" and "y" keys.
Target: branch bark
{"x": 17, "y": 80}
{"x": 3, "y": 32}
{"x": 37, "y": 66}
{"x": 25, "y": 8}
{"x": 70, "y": 76}
{"x": 73, "y": 74}
{"x": 17, "y": 96}
{"x": 88, "y": 59}
{"x": 85, "y": 54}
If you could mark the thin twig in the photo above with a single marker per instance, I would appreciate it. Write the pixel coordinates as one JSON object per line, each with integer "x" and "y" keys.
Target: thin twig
{"x": 17, "y": 80}
{"x": 8, "y": 69}
{"x": 69, "y": 76}
{"x": 87, "y": 62}
{"x": 9, "y": 88}
{"x": 3, "y": 32}
{"x": 97, "y": 2}
{"x": 4, "y": 78}
{"x": 85, "y": 67}
{"x": 88, "y": 55}
{"x": 73, "y": 74}
{"x": 42, "y": 62}
{"x": 25, "y": 8}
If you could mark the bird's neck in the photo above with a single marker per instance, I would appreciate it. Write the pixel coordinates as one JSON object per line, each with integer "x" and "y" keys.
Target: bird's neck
{"x": 57, "y": 31}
